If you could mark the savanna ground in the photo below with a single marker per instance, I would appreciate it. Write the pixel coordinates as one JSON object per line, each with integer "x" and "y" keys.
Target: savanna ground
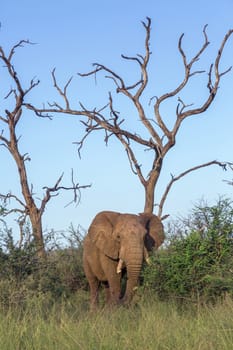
{"x": 149, "y": 324}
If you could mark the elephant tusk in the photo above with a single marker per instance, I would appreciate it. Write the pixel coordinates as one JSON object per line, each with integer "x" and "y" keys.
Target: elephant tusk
{"x": 120, "y": 265}
{"x": 146, "y": 256}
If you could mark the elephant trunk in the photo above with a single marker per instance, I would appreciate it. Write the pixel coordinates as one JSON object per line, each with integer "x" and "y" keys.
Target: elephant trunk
{"x": 133, "y": 273}
{"x": 133, "y": 263}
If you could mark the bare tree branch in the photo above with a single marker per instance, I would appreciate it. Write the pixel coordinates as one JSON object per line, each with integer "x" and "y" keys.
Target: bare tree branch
{"x": 27, "y": 207}
{"x": 7, "y": 198}
{"x": 62, "y": 93}
{"x": 161, "y": 134}
{"x": 53, "y": 191}
{"x": 223, "y": 165}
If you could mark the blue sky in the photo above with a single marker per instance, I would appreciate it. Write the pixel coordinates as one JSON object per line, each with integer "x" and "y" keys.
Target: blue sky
{"x": 71, "y": 35}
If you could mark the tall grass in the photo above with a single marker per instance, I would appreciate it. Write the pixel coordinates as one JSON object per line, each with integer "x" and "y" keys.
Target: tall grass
{"x": 148, "y": 325}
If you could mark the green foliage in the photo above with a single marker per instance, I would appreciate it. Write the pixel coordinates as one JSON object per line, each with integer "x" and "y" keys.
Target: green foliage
{"x": 197, "y": 264}
{"x": 23, "y": 274}
{"x": 15, "y": 262}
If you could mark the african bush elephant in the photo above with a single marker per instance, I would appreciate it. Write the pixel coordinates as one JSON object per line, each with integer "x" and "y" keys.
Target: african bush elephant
{"x": 116, "y": 243}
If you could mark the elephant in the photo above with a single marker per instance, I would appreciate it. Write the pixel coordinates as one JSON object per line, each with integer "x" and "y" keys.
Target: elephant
{"x": 117, "y": 243}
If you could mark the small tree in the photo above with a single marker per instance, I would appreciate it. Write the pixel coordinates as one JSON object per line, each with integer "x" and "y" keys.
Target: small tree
{"x": 9, "y": 119}
{"x": 160, "y": 137}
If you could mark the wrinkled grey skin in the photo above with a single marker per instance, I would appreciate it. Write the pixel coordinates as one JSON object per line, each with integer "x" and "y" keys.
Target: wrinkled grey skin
{"x": 116, "y": 242}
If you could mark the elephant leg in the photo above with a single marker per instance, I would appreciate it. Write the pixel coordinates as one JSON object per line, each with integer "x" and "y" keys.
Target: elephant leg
{"x": 113, "y": 279}
{"x": 114, "y": 289}
{"x": 94, "y": 285}
{"x": 107, "y": 292}
{"x": 94, "y": 292}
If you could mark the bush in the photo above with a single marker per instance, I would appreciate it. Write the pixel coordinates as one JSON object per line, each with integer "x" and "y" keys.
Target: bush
{"x": 23, "y": 275}
{"x": 197, "y": 261}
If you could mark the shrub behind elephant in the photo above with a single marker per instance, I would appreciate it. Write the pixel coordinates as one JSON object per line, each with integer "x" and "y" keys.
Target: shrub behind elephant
{"x": 114, "y": 242}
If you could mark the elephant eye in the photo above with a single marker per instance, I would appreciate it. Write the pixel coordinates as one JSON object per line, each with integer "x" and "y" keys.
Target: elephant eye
{"x": 118, "y": 237}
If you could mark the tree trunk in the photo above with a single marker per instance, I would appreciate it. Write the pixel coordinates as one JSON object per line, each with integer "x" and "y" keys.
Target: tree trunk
{"x": 149, "y": 198}
{"x": 30, "y": 207}
{"x": 150, "y": 189}
{"x": 36, "y": 222}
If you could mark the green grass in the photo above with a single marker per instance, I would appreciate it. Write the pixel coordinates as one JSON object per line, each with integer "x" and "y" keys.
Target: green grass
{"x": 148, "y": 325}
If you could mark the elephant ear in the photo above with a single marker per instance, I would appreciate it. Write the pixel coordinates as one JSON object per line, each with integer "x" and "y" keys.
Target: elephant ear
{"x": 155, "y": 232}
{"x": 101, "y": 234}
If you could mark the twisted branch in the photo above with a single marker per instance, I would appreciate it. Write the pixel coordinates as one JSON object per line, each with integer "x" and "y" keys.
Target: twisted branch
{"x": 223, "y": 165}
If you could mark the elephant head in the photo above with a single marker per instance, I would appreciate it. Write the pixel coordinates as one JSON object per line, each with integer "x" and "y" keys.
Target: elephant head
{"x": 125, "y": 240}
{"x": 108, "y": 226}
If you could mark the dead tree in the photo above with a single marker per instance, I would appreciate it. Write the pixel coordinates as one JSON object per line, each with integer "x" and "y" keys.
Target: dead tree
{"x": 161, "y": 138}
{"x": 26, "y": 207}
